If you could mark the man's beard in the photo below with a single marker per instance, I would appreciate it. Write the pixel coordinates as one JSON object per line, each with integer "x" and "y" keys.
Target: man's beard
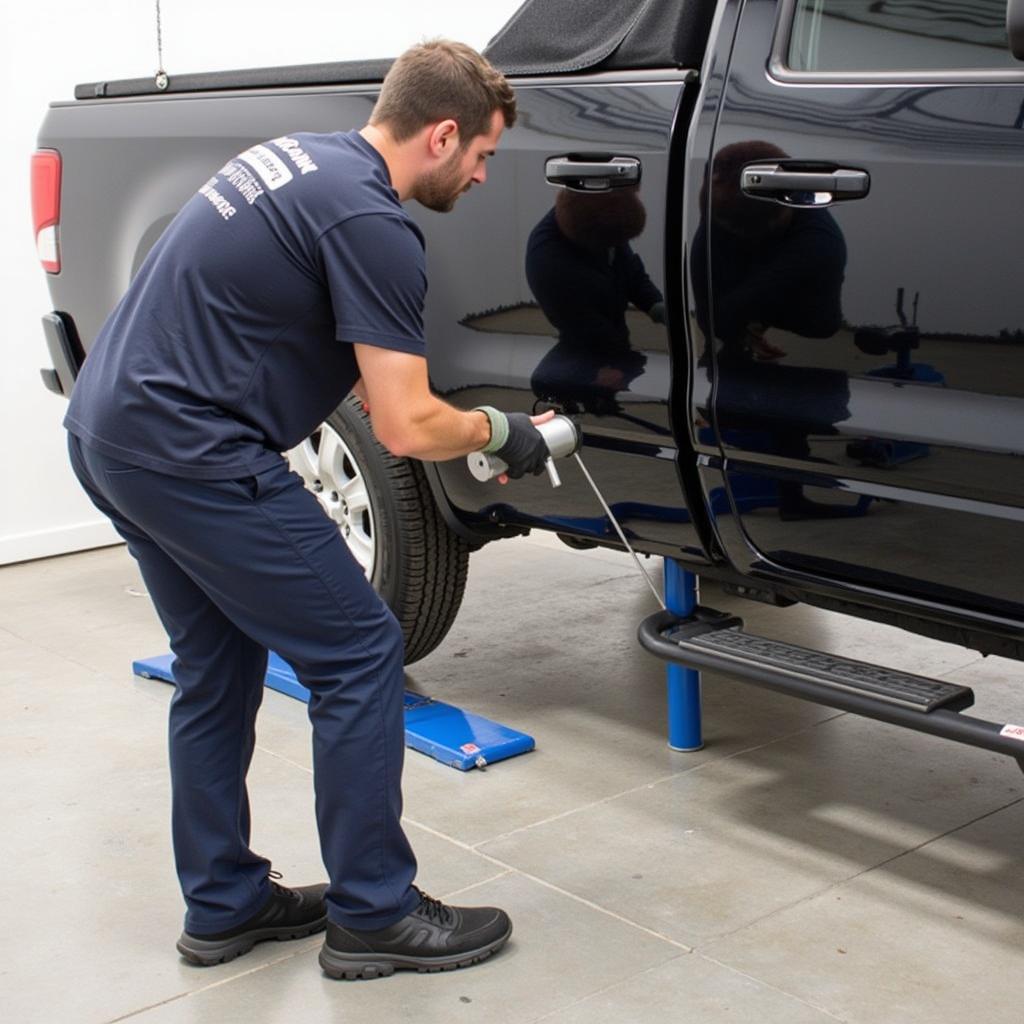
{"x": 439, "y": 189}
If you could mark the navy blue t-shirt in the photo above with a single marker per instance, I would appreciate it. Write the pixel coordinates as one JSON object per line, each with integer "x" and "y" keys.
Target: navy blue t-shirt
{"x": 233, "y": 342}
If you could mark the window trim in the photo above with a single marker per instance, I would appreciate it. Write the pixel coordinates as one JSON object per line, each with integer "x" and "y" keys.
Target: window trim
{"x": 779, "y": 70}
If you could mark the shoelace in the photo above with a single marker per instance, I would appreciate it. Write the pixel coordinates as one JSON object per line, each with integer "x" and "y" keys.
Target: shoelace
{"x": 282, "y": 890}
{"x": 433, "y": 910}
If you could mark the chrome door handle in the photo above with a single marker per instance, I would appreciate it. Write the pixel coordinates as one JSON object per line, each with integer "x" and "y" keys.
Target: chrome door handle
{"x": 592, "y": 172}
{"x": 798, "y": 187}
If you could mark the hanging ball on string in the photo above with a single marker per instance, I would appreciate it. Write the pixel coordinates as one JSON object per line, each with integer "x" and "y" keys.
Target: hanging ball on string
{"x": 162, "y": 81}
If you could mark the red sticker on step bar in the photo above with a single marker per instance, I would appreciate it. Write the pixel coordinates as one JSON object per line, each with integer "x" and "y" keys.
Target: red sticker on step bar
{"x": 472, "y": 748}
{"x": 1014, "y": 732}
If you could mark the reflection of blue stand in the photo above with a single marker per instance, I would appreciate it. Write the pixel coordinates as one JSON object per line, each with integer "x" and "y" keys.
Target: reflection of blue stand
{"x": 904, "y": 369}
{"x": 447, "y": 733}
{"x": 748, "y": 492}
{"x": 684, "y": 705}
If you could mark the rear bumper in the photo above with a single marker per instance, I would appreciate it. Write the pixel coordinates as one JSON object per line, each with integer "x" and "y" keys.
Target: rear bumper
{"x": 66, "y": 353}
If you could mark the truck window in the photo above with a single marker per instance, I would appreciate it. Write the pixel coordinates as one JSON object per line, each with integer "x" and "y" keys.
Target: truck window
{"x": 899, "y": 35}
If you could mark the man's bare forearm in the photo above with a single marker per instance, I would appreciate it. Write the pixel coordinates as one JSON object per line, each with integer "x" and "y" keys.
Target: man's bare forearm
{"x": 408, "y": 418}
{"x": 437, "y": 431}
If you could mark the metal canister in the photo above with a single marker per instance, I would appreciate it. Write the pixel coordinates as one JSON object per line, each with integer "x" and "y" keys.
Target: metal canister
{"x": 561, "y": 437}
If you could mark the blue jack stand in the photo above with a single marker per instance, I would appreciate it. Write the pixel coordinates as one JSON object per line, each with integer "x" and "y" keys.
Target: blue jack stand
{"x": 446, "y": 733}
{"x": 684, "y": 703}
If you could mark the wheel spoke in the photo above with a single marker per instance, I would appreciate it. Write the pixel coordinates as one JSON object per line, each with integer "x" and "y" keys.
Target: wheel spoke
{"x": 362, "y": 548}
{"x": 328, "y": 467}
{"x": 330, "y": 459}
{"x": 355, "y": 493}
{"x": 302, "y": 458}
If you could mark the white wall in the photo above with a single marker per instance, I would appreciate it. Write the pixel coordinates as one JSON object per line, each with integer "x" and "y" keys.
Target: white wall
{"x": 45, "y": 50}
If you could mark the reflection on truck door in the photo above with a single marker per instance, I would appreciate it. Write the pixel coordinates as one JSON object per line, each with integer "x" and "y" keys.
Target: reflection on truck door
{"x": 864, "y": 309}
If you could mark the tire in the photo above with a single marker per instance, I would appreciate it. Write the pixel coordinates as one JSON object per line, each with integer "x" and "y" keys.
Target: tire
{"x": 387, "y": 515}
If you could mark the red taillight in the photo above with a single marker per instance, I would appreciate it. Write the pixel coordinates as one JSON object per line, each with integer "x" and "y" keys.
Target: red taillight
{"x": 46, "y": 207}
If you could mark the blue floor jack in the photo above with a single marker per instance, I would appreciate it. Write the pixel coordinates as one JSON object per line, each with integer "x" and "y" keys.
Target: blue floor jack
{"x": 446, "y": 733}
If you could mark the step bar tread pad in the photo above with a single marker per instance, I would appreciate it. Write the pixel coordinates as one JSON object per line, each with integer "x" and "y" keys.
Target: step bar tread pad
{"x": 886, "y": 683}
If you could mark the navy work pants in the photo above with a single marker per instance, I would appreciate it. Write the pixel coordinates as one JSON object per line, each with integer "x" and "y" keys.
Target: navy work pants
{"x": 234, "y": 568}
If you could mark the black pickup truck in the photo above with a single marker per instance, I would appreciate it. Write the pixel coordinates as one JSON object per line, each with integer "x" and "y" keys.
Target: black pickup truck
{"x": 762, "y": 251}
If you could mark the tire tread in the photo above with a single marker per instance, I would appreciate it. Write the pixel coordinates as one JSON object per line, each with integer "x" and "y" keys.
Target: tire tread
{"x": 433, "y": 561}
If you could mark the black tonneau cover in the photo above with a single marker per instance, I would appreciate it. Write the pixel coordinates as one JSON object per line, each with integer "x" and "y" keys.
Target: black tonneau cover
{"x": 543, "y": 37}
{"x": 547, "y": 37}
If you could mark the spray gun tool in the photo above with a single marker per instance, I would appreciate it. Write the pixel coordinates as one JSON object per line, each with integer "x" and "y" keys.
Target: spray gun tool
{"x": 563, "y": 439}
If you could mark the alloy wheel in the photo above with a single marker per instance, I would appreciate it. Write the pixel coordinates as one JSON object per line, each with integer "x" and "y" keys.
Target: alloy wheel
{"x": 330, "y": 470}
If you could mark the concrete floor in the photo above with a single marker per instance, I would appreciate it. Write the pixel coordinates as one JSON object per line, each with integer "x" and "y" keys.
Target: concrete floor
{"x": 807, "y": 866}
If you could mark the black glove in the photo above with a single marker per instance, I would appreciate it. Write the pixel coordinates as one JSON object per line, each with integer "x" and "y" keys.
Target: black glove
{"x": 525, "y": 451}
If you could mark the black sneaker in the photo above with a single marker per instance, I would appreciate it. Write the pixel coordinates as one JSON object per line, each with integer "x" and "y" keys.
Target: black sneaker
{"x": 434, "y": 937}
{"x": 288, "y": 914}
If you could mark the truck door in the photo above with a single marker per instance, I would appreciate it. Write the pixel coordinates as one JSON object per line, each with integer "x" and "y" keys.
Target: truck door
{"x": 856, "y": 274}
{"x": 547, "y": 290}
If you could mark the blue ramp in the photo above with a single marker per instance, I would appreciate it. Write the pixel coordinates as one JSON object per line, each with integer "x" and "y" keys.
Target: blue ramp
{"x": 444, "y": 732}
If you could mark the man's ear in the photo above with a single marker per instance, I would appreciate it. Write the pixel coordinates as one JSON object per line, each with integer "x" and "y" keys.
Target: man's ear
{"x": 443, "y": 138}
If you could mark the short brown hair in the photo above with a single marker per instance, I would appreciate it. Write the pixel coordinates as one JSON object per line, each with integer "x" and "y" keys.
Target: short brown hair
{"x": 442, "y": 79}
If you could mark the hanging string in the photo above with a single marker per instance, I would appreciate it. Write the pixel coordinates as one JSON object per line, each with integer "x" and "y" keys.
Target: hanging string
{"x": 162, "y": 80}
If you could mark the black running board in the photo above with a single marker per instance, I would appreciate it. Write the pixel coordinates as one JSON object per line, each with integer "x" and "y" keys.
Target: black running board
{"x": 715, "y": 641}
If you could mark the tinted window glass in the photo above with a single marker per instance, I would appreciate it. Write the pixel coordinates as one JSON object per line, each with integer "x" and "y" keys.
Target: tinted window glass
{"x": 899, "y": 35}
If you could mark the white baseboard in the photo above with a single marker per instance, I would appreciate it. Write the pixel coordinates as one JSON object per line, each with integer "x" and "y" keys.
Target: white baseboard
{"x": 58, "y": 541}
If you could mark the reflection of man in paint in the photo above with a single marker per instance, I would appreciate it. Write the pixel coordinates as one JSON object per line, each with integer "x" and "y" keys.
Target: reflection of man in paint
{"x": 585, "y": 275}
{"x": 770, "y": 266}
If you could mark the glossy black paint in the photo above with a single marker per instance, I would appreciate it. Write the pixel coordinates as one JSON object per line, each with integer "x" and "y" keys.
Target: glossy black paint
{"x": 152, "y": 151}
{"x": 533, "y": 308}
{"x": 867, "y": 369}
{"x": 936, "y": 454}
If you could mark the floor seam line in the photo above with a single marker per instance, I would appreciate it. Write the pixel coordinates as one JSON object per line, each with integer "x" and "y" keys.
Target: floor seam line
{"x": 57, "y": 653}
{"x": 651, "y": 785}
{"x": 281, "y": 757}
{"x": 959, "y": 668}
{"x": 839, "y": 883}
{"x": 448, "y": 896}
{"x": 934, "y": 839}
{"x": 601, "y": 910}
{"x": 607, "y": 579}
{"x": 451, "y": 839}
{"x": 585, "y": 807}
{"x": 512, "y": 869}
{"x": 207, "y": 988}
{"x": 607, "y": 988}
{"x": 146, "y": 1009}
{"x": 768, "y": 984}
